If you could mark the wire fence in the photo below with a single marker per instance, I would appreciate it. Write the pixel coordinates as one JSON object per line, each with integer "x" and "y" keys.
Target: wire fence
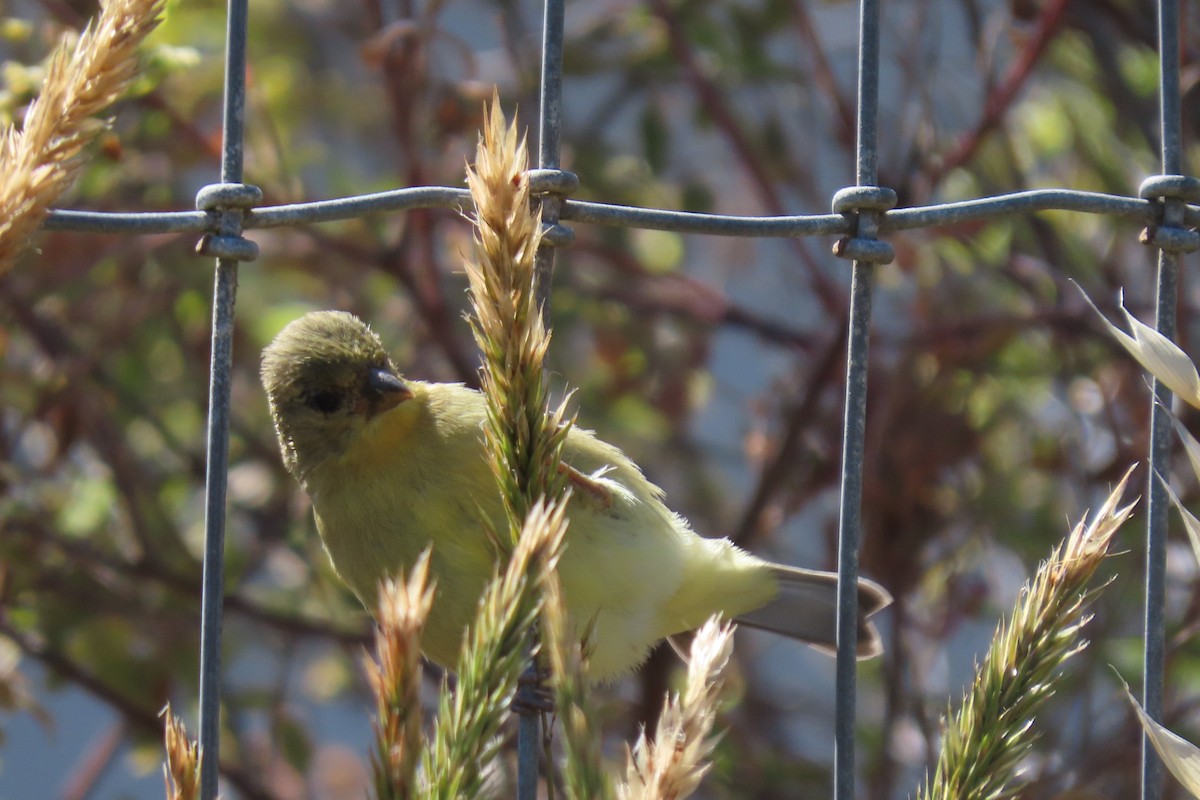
{"x": 861, "y": 215}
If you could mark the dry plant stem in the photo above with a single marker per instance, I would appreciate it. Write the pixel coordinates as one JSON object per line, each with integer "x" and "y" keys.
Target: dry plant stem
{"x": 130, "y": 709}
{"x": 986, "y": 740}
{"x": 716, "y": 106}
{"x": 394, "y": 676}
{"x": 1001, "y": 98}
{"x": 523, "y": 442}
{"x": 672, "y": 765}
{"x": 39, "y": 163}
{"x": 181, "y": 773}
{"x": 94, "y": 763}
{"x": 465, "y": 739}
{"x": 583, "y": 766}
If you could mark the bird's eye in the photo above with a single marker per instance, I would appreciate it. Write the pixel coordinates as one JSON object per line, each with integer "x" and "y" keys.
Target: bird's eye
{"x": 325, "y": 402}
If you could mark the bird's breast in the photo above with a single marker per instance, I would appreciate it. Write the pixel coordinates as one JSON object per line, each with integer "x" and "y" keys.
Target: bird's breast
{"x": 403, "y": 486}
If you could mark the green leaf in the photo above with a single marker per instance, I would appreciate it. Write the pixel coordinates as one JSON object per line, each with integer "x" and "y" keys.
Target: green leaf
{"x": 292, "y": 739}
{"x": 656, "y": 138}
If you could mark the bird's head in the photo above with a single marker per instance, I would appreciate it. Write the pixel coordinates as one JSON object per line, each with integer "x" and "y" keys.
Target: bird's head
{"x": 327, "y": 376}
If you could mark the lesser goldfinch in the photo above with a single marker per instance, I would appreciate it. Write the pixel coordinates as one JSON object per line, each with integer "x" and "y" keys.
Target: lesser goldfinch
{"x": 393, "y": 465}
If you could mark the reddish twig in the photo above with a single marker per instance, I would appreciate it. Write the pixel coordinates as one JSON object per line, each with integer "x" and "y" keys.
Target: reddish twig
{"x": 831, "y": 297}
{"x": 782, "y": 462}
{"x": 823, "y": 77}
{"x": 1001, "y": 98}
{"x": 132, "y": 711}
{"x": 684, "y": 296}
{"x": 96, "y": 760}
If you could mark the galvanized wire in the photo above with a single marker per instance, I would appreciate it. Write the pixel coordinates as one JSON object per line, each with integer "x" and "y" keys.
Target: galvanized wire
{"x": 855, "y": 413}
{"x": 549, "y": 137}
{"x": 900, "y": 219}
{"x": 217, "y": 468}
{"x": 1154, "y": 635}
{"x": 861, "y": 215}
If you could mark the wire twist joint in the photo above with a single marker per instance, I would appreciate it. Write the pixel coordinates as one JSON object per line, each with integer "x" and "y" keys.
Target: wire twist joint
{"x": 551, "y": 187}
{"x": 228, "y": 203}
{"x": 1170, "y": 193}
{"x": 864, "y": 207}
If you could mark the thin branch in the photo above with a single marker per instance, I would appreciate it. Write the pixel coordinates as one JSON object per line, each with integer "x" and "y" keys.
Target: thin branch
{"x": 133, "y": 711}
{"x": 97, "y": 759}
{"x": 832, "y": 298}
{"x": 684, "y": 296}
{"x": 772, "y": 476}
{"x": 88, "y": 555}
{"x": 822, "y": 73}
{"x": 998, "y": 102}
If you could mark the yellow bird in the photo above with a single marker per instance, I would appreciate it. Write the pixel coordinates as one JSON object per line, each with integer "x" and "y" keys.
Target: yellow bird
{"x": 393, "y": 465}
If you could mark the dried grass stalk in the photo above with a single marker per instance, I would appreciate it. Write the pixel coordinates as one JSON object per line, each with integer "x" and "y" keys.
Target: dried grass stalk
{"x": 181, "y": 772}
{"x": 465, "y": 740}
{"x": 524, "y": 436}
{"x": 584, "y": 775}
{"x": 672, "y": 765}
{"x": 394, "y": 676}
{"x": 85, "y": 76}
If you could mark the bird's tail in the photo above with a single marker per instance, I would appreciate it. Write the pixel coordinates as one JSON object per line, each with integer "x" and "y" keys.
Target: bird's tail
{"x": 806, "y": 609}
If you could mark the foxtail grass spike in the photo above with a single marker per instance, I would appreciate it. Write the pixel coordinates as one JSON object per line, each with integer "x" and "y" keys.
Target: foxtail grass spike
{"x": 40, "y": 162}
{"x": 524, "y": 435}
{"x": 466, "y": 737}
{"x": 394, "y": 676}
{"x": 523, "y": 438}
{"x": 670, "y": 767}
{"x": 986, "y": 740}
{"x": 181, "y": 772}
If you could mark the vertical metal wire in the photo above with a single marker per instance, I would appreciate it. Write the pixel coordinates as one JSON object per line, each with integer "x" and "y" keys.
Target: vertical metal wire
{"x": 1160, "y": 425}
{"x": 224, "y": 295}
{"x": 549, "y": 138}
{"x": 550, "y": 130}
{"x": 851, "y": 500}
{"x": 1156, "y": 533}
{"x": 855, "y": 413}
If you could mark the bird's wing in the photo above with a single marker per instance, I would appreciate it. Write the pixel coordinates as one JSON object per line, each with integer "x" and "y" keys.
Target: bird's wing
{"x": 600, "y": 470}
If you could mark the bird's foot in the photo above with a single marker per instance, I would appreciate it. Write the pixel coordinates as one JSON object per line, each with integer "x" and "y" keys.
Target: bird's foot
{"x": 534, "y": 695}
{"x": 597, "y": 492}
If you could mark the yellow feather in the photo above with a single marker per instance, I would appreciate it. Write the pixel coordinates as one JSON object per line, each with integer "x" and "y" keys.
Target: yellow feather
{"x": 387, "y": 483}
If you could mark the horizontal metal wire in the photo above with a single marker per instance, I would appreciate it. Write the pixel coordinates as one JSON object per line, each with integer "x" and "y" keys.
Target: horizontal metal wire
{"x": 346, "y": 208}
{"x": 131, "y": 221}
{"x": 343, "y": 208}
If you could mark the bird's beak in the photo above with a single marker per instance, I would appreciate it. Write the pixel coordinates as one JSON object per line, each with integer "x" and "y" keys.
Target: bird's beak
{"x": 386, "y": 391}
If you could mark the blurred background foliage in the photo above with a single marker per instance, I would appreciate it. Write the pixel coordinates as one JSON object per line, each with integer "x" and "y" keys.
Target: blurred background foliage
{"x": 997, "y": 410}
